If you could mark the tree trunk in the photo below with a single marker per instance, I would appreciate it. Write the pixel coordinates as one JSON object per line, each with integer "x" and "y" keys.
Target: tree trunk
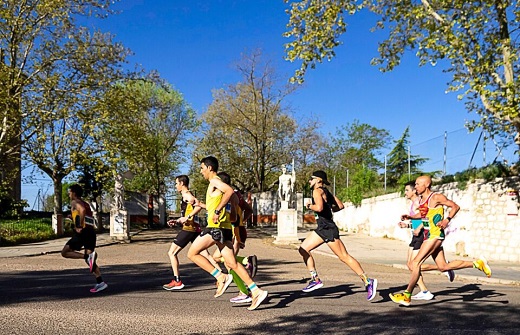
{"x": 58, "y": 203}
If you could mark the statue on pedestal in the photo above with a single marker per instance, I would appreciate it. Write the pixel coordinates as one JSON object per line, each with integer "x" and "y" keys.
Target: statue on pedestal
{"x": 286, "y": 184}
{"x": 119, "y": 193}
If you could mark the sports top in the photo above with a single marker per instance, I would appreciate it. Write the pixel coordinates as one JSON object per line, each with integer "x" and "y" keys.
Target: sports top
{"x": 212, "y": 201}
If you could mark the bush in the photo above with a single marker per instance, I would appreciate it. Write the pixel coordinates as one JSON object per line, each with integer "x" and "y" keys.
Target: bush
{"x": 14, "y": 231}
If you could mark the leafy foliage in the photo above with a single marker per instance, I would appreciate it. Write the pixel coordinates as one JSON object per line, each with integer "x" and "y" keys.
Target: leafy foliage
{"x": 147, "y": 126}
{"x": 351, "y": 152}
{"x": 364, "y": 181}
{"x": 399, "y": 165}
{"x": 487, "y": 173}
{"x": 477, "y": 42}
{"x": 249, "y": 129}
{"x": 53, "y": 72}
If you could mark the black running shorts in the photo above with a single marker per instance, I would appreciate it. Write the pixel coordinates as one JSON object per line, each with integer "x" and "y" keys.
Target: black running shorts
{"x": 184, "y": 237}
{"x": 328, "y": 233}
{"x": 86, "y": 239}
{"x": 220, "y": 235}
{"x": 417, "y": 241}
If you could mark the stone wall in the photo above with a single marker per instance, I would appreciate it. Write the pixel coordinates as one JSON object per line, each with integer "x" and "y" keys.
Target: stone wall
{"x": 485, "y": 224}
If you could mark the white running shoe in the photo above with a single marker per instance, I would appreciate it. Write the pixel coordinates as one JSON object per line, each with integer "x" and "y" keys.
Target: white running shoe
{"x": 99, "y": 287}
{"x": 423, "y": 295}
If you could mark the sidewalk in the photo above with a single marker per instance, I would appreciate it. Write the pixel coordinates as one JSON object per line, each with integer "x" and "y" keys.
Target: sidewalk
{"x": 364, "y": 248}
{"x": 390, "y": 252}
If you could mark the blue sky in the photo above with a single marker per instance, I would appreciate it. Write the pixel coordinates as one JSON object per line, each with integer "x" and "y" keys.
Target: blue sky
{"x": 194, "y": 43}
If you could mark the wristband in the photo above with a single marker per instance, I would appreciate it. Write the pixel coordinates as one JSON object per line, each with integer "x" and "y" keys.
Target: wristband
{"x": 448, "y": 218}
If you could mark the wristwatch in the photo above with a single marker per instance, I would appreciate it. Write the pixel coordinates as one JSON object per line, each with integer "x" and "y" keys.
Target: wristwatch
{"x": 217, "y": 211}
{"x": 448, "y": 218}
{"x": 190, "y": 217}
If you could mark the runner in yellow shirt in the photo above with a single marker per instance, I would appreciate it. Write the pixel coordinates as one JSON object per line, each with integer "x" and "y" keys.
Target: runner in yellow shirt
{"x": 219, "y": 233}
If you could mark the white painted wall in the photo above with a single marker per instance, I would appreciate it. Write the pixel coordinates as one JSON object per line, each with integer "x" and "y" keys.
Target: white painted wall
{"x": 487, "y": 223}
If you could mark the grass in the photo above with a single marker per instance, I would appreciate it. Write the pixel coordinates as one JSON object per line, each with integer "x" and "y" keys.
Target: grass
{"x": 14, "y": 232}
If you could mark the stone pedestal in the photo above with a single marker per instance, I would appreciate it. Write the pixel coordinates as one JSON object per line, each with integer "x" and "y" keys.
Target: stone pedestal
{"x": 119, "y": 225}
{"x": 57, "y": 224}
{"x": 287, "y": 231}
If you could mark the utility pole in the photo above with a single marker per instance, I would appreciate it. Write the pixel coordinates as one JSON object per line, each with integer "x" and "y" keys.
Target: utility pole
{"x": 409, "y": 164}
{"x": 385, "y": 173}
{"x": 445, "y": 149}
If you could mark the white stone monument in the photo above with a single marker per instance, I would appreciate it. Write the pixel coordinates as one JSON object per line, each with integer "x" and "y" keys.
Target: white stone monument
{"x": 119, "y": 218}
{"x": 287, "y": 221}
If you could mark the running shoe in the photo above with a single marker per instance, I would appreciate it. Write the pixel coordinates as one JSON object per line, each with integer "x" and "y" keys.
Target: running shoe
{"x": 483, "y": 266}
{"x": 223, "y": 285}
{"x": 450, "y": 274}
{"x": 252, "y": 265}
{"x": 313, "y": 285}
{"x": 371, "y": 289}
{"x": 401, "y": 299}
{"x": 423, "y": 295}
{"x": 91, "y": 260}
{"x": 99, "y": 287}
{"x": 241, "y": 298}
{"x": 257, "y": 300}
{"x": 173, "y": 285}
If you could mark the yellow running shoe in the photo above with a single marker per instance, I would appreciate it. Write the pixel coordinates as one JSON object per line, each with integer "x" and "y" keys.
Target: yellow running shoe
{"x": 483, "y": 266}
{"x": 401, "y": 299}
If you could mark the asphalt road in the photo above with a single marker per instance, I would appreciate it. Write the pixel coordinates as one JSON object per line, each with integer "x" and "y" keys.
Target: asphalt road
{"x": 48, "y": 294}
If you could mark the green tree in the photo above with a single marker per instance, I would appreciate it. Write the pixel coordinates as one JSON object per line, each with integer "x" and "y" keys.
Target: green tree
{"x": 478, "y": 42}
{"x": 61, "y": 127}
{"x": 249, "y": 129}
{"x": 357, "y": 144}
{"x": 398, "y": 162}
{"x": 52, "y": 71}
{"x": 364, "y": 181}
{"x": 354, "y": 150}
{"x": 148, "y": 124}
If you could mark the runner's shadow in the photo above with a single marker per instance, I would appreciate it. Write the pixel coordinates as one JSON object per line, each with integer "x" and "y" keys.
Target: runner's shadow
{"x": 471, "y": 292}
{"x": 285, "y": 298}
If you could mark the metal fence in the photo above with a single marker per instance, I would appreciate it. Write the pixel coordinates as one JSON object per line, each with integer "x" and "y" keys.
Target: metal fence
{"x": 455, "y": 151}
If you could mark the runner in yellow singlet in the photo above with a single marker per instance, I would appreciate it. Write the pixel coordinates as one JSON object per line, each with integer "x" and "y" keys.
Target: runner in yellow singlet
{"x": 190, "y": 230}
{"x": 219, "y": 233}
{"x": 242, "y": 212}
{"x": 417, "y": 229}
{"x": 433, "y": 245}
{"x": 84, "y": 236}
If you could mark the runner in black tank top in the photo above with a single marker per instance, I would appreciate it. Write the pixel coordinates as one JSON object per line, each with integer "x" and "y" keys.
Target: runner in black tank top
{"x": 324, "y": 204}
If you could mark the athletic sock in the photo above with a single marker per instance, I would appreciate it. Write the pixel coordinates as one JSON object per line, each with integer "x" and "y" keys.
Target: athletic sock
{"x": 253, "y": 287}
{"x": 177, "y": 278}
{"x": 99, "y": 280}
{"x": 216, "y": 273}
{"x": 364, "y": 278}
{"x": 314, "y": 274}
{"x": 407, "y": 294}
